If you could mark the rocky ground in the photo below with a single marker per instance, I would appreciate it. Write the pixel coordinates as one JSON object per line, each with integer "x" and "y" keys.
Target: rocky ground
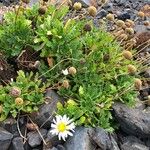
{"x": 134, "y": 123}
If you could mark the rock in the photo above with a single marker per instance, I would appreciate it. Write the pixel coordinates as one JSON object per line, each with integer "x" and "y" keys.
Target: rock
{"x": 132, "y": 121}
{"x": 101, "y": 138}
{"x": 5, "y": 139}
{"x": 34, "y": 139}
{"x": 114, "y": 145}
{"x": 17, "y": 144}
{"x": 80, "y": 140}
{"x": 60, "y": 147}
{"x": 46, "y": 111}
{"x": 108, "y": 6}
{"x": 102, "y": 13}
{"x": 132, "y": 143}
{"x": 10, "y": 125}
{"x": 123, "y": 16}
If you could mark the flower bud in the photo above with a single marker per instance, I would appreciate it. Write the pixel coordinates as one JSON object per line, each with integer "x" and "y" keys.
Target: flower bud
{"x": 65, "y": 84}
{"x": 77, "y": 6}
{"x": 129, "y": 23}
{"x": 127, "y": 54}
{"x": 72, "y": 70}
{"x": 138, "y": 84}
{"x": 15, "y": 92}
{"x": 131, "y": 69}
{"x": 110, "y": 17}
{"x": 19, "y": 101}
{"x": 92, "y": 11}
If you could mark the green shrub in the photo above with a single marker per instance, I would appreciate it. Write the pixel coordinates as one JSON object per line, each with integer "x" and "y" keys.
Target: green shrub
{"x": 23, "y": 95}
{"x": 98, "y": 73}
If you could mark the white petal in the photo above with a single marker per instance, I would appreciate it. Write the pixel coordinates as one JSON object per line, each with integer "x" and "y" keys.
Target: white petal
{"x": 54, "y": 131}
{"x": 69, "y": 133}
{"x": 53, "y": 125}
{"x": 65, "y": 72}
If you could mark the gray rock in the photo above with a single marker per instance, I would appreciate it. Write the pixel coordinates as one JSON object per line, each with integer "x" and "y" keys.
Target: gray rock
{"x": 102, "y": 13}
{"x": 101, "y": 138}
{"x": 133, "y": 143}
{"x": 10, "y": 125}
{"x": 5, "y": 139}
{"x": 34, "y": 139}
{"x": 114, "y": 145}
{"x": 17, "y": 143}
{"x": 132, "y": 121}
{"x": 46, "y": 111}
{"x": 60, "y": 147}
{"x": 80, "y": 140}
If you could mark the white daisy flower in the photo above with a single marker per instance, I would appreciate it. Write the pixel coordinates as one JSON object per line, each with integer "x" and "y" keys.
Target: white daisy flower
{"x": 62, "y": 126}
{"x": 65, "y": 72}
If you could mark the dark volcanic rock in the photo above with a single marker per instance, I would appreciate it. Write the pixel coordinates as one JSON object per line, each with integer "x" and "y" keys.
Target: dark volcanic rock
{"x": 34, "y": 139}
{"x": 101, "y": 138}
{"x": 133, "y": 143}
{"x": 46, "y": 111}
{"x": 17, "y": 144}
{"x": 132, "y": 121}
{"x": 5, "y": 139}
{"x": 80, "y": 140}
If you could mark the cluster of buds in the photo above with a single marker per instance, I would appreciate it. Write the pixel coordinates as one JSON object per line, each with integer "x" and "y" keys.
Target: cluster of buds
{"x": 138, "y": 84}
{"x": 77, "y": 6}
{"x": 19, "y": 101}
{"x": 92, "y": 11}
{"x": 127, "y": 54}
{"x": 15, "y": 92}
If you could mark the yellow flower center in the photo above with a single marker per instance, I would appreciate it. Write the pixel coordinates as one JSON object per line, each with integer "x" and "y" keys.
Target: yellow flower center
{"x": 61, "y": 127}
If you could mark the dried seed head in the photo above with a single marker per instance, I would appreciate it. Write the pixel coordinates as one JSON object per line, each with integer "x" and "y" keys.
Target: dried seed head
{"x": 45, "y": 0}
{"x": 26, "y": 1}
{"x": 65, "y": 84}
{"x": 147, "y": 23}
{"x": 110, "y": 17}
{"x": 129, "y": 30}
{"x": 19, "y": 101}
{"x": 92, "y": 11}
{"x": 1, "y": 109}
{"x": 77, "y": 6}
{"x": 132, "y": 69}
{"x": 127, "y": 54}
{"x": 87, "y": 27}
{"x": 141, "y": 14}
{"x": 15, "y": 92}
{"x": 129, "y": 23}
{"x": 72, "y": 70}
{"x": 138, "y": 84}
{"x": 42, "y": 10}
{"x": 120, "y": 23}
{"x": 31, "y": 126}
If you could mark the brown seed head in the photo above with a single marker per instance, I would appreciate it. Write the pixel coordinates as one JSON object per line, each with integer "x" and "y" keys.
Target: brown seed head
{"x": 127, "y": 54}
{"x": 120, "y": 23}
{"x": 15, "y": 92}
{"x": 132, "y": 69}
{"x": 19, "y": 101}
{"x": 65, "y": 84}
{"x": 110, "y": 17}
{"x": 138, "y": 84}
{"x": 77, "y": 6}
{"x": 72, "y": 70}
{"x": 147, "y": 23}
{"x": 92, "y": 11}
{"x": 141, "y": 14}
{"x": 129, "y": 30}
{"x": 42, "y": 10}
{"x": 129, "y": 23}
{"x": 87, "y": 27}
